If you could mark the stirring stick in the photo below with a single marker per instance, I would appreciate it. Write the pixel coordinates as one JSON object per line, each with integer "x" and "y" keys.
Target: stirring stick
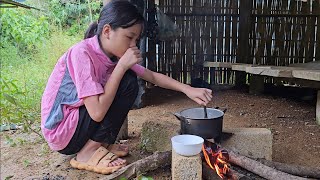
{"x": 205, "y": 112}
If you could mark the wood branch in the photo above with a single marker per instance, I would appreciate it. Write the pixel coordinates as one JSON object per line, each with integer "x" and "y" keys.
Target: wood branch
{"x": 150, "y": 163}
{"x": 303, "y": 171}
{"x": 210, "y": 174}
{"x": 259, "y": 168}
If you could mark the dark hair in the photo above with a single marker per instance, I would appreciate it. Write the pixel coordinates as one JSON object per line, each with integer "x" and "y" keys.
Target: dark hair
{"x": 116, "y": 13}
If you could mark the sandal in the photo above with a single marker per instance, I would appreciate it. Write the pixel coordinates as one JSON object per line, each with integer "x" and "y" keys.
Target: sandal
{"x": 117, "y": 149}
{"x": 94, "y": 163}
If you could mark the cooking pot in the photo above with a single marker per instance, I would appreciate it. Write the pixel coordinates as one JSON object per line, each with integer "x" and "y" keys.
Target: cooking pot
{"x": 193, "y": 121}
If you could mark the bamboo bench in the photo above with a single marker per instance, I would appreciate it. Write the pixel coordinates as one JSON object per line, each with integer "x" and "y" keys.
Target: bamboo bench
{"x": 305, "y": 76}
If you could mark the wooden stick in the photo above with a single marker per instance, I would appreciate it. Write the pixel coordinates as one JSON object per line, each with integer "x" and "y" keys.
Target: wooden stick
{"x": 150, "y": 163}
{"x": 259, "y": 168}
{"x": 210, "y": 174}
{"x": 297, "y": 170}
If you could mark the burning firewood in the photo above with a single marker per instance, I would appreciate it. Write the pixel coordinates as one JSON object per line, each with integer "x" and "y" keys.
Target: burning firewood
{"x": 218, "y": 159}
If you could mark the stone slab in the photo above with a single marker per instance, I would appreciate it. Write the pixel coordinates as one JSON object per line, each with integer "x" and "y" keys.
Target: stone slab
{"x": 157, "y": 136}
{"x": 186, "y": 168}
{"x": 250, "y": 142}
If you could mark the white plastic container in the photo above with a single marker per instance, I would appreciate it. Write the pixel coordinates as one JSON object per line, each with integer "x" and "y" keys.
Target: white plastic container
{"x": 187, "y": 145}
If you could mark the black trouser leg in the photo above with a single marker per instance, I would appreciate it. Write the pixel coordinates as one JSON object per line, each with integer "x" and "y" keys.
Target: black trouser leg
{"x": 107, "y": 130}
{"x": 110, "y": 126}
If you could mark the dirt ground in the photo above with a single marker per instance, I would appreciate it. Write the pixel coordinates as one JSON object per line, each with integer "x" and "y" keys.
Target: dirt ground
{"x": 296, "y": 137}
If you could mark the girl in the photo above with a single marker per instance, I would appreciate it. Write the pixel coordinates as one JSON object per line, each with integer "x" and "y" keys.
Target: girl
{"x": 94, "y": 85}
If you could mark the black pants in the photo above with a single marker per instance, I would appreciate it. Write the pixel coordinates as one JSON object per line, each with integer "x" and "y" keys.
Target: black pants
{"x": 107, "y": 130}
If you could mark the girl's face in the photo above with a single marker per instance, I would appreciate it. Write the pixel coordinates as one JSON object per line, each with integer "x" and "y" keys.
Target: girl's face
{"x": 119, "y": 40}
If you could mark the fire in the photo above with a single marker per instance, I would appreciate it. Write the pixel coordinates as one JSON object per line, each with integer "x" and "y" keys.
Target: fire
{"x": 217, "y": 159}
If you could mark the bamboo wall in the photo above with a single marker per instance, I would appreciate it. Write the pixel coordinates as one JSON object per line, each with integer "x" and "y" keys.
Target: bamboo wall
{"x": 268, "y": 32}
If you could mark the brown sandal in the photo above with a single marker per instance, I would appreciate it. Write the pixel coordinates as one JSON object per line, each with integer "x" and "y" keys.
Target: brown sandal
{"x": 93, "y": 164}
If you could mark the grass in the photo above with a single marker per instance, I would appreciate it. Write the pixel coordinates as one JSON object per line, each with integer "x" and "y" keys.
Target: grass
{"x": 28, "y": 74}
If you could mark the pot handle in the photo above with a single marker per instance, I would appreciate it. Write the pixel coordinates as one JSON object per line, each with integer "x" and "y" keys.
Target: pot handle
{"x": 224, "y": 110}
{"x": 179, "y": 117}
{"x": 182, "y": 119}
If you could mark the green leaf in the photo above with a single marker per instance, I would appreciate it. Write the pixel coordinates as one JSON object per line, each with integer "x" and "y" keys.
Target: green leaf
{"x": 10, "y": 98}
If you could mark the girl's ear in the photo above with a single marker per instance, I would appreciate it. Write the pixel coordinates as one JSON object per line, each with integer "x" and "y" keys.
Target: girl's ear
{"x": 106, "y": 31}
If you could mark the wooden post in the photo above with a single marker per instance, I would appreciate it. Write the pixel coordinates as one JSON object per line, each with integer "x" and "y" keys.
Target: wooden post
{"x": 318, "y": 108}
{"x": 256, "y": 84}
{"x": 143, "y": 48}
{"x": 123, "y": 133}
{"x": 152, "y": 65}
{"x": 244, "y": 31}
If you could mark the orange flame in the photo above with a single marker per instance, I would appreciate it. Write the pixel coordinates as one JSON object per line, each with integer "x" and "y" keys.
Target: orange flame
{"x": 219, "y": 165}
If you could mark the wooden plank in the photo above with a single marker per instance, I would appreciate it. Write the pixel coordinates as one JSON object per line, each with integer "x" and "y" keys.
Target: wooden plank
{"x": 240, "y": 67}
{"x": 233, "y": 66}
{"x": 217, "y": 64}
{"x": 307, "y": 74}
{"x": 267, "y": 71}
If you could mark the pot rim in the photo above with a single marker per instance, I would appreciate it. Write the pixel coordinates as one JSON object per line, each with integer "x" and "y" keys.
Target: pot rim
{"x": 202, "y": 118}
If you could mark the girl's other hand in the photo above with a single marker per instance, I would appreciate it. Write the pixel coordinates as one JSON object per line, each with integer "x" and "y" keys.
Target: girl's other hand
{"x": 202, "y": 96}
{"x": 131, "y": 57}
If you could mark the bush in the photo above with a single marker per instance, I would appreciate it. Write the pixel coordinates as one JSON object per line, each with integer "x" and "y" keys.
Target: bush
{"x": 75, "y": 16}
{"x": 23, "y": 78}
{"x": 21, "y": 28}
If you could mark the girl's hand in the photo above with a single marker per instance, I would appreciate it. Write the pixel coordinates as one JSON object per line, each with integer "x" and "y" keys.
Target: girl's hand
{"x": 131, "y": 57}
{"x": 202, "y": 96}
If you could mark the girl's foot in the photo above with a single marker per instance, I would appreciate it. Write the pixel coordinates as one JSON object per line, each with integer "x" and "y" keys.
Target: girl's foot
{"x": 120, "y": 150}
{"x": 101, "y": 161}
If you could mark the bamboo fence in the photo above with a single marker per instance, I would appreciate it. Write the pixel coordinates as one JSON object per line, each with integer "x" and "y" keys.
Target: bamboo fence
{"x": 264, "y": 32}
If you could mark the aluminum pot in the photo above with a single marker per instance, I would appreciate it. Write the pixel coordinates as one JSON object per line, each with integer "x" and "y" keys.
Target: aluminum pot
{"x": 193, "y": 121}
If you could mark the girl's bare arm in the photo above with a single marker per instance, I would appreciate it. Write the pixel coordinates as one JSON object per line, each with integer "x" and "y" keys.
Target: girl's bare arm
{"x": 200, "y": 95}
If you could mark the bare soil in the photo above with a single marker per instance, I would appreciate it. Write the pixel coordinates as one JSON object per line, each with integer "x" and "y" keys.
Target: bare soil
{"x": 296, "y": 137}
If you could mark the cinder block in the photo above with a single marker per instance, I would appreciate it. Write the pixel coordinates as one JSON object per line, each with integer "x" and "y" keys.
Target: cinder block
{"x": 186, "y": 168}
{"x": 250, "y": 142}
{"x": 157, "y": 136}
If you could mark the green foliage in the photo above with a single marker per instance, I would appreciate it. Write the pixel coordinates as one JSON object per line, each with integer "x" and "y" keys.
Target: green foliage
{"x": 145, "y": 178}
{"x": 11, "y": 108}
{"x": 21, "y": 28}
{"x": 26, "y": 163}
{"x": 8, "y": 177}
{"x": 74, "y": 15}
{"x": 23, "y": 81}
{"x": 10, "y": 141}
{"x": 31, "y": 43}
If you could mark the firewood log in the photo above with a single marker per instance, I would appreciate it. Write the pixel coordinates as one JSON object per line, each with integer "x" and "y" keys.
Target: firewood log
{"x": 303, "y": 171}
{"x": 259, "y": 168}
{"x": 150, "y": 163}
